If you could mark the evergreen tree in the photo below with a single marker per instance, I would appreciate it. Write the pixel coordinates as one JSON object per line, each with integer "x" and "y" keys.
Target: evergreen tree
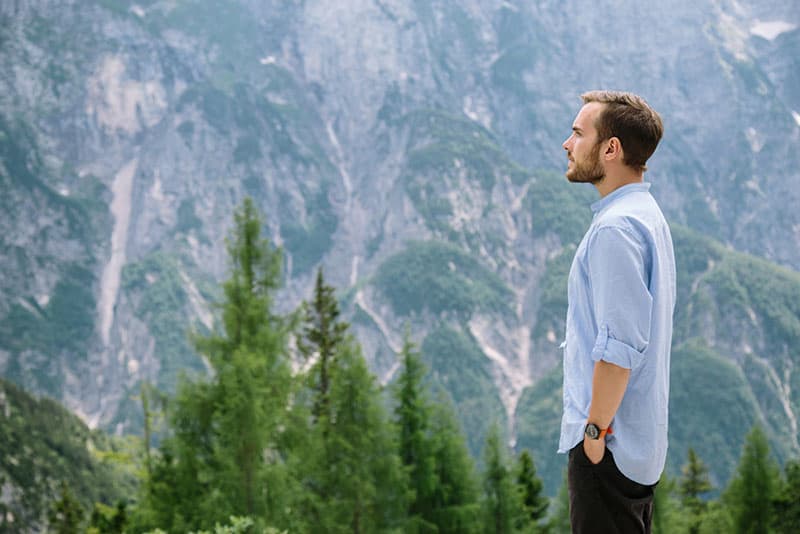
{"x": 349, "y": 468}
{"x": 668, "y": 515}
{"x": 530, "y": 487}
{"x": 66, "y": 513}
{"x": 558, "y": 522}
{"x": 693, "y": 483}
{"x": 751, "y": 493}
{"x": 503, "y": 505}
{"x": 225, "y": 455}
{"x": 322, "y": 335}
{"x": 455, "y": 499}
{"x": 412, "y": 414}
{"x": 108, "y": 520}
{"x": 787, "y": 504}
{"x": 441, "y": 480}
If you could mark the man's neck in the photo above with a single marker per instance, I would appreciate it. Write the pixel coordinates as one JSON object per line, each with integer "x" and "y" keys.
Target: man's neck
{"x": 610, "y": 184}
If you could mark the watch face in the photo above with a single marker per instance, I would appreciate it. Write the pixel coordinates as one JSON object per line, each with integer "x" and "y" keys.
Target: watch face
{"x": 592, "y": 431}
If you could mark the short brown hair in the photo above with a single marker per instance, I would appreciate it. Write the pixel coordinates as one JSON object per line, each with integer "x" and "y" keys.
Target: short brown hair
{"x": 629, "y": 118}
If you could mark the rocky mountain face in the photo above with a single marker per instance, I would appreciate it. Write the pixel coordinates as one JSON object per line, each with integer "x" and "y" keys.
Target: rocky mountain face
{"x": 412, "y": 149}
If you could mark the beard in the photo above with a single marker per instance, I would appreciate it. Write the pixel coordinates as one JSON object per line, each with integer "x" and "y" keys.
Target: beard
{"x": 588, "y": 171}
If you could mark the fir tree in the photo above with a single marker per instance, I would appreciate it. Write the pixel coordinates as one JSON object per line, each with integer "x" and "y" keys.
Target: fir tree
{"x": 322, "y": 334}
{"x": 412, "y": 414}
{"x": 349, "y": 468}
{"x": 530, "y": 487}
{"x": 455, "y": 499}
{"x": 787, "y": 503}
{"x": 693, "y": 483}
{"x": 441, "y": 480}
{"x": 751, "y": 493}
{"x": 558, "y": 522}
{"x": 502, "y": 502}
{"x": 224, "y": 457}
{"x": 66, "y": 513}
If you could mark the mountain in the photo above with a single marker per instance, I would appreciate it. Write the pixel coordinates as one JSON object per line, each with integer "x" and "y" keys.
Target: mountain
{"x": 43, "y": 445}
{"x": 412, "y": 148}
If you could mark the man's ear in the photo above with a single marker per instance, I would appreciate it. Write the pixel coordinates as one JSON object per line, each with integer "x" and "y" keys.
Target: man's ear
{"x": 613, "y": 149}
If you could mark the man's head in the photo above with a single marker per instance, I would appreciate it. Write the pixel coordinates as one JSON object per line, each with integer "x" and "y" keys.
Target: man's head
{"x": 612, "y": 128}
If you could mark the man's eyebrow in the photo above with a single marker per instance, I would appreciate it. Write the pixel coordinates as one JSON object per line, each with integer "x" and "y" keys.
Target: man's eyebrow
{"x": 576, "y": 129}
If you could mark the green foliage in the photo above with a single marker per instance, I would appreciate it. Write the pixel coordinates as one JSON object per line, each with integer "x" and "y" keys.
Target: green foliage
{"x": 156, "y": 290}
{"x": 66, "y": 514}
{"x": 308, "y": 243}
{"x": 322, "y": 336}
{"x": 502, "y": 505}
{"x": 558, "y": 207}
{"x": 713, "y": 382}
{"x": 439, "y": 470}
{"x": 553, "y": 295}
{"x": 349, "y": 467}
{"x": 538, "y": 418}
{"x": 44, "y": 448}
{"x": 459, "y": 366}
{"x": 440, "y": 278}
{"x": 558, "y": 522}
{"x": 787, "y": 503}
{"x": 530, "y": 487}
{"x": 751, "y": 493}
{"x": 217, "y": 462}
{"x": 108, "y": 520}
{"x": 693, "y": 484}
{"x": 187, "y": 219}
{"x": 64, "y": 325}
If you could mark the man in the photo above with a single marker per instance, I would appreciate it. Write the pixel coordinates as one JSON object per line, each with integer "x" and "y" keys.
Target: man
{"x": 621, "y": 293}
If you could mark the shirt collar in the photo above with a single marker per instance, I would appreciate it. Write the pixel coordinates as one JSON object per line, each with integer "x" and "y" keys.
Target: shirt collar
{"x": 619, "y": 192}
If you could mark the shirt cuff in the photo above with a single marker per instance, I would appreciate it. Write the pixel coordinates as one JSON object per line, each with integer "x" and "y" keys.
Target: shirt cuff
{"x": 614, "y": 351}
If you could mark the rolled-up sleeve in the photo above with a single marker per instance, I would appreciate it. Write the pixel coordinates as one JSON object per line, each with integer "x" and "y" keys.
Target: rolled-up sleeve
{"x": 622, "y": 303}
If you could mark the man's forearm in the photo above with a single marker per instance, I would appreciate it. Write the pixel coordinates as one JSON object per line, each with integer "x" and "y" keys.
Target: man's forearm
{"x": 608, "y": 388}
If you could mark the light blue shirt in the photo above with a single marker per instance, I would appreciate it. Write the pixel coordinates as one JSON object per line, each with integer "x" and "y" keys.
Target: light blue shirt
{"x": 621, "y": 293}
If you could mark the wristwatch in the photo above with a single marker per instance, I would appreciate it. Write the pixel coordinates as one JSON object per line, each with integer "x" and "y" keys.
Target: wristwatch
{"x": 593, "y": 431}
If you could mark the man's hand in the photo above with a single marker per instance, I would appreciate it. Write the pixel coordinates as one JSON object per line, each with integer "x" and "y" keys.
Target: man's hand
{"x": 594, "y": 449}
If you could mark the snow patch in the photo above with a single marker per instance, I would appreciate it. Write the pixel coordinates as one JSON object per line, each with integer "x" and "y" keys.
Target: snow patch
{"x": 122, "y": 189}
{"x": 769, "y": 30}
{"x": 133, "y": 366}
{"x": 42, "y": 300}
{"x": 796, "y": 117}
{"x": 63, "y": 191}
{"x": 269, "y": 60}
{"x": 137, "y": 10}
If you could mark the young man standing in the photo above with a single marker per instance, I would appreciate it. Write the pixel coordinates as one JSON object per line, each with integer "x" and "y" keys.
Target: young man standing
{"x": 621, "y": 293}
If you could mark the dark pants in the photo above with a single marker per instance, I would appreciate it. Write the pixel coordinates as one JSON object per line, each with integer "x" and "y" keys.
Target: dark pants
{"x": 604, "y": 501}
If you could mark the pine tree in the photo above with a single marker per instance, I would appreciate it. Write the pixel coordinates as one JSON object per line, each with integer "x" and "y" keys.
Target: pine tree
{"x": 444, "y": 495}
{"x": 455, "y": 499}
{"x": 224, "y": 457}
{"x": 502, "y": 502}
{"x": 693, "y": 483}
{"x": 322, "y": 334}
{"x": 412, "y": 414}
{"x": 558, "y": 522}
{"x": 752, "y": 491}
{"x": 350, "y": 469}
{"x": 66, "y": 513}
{"x": 787, "y": 504}
{"x": 530, "y": 488}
